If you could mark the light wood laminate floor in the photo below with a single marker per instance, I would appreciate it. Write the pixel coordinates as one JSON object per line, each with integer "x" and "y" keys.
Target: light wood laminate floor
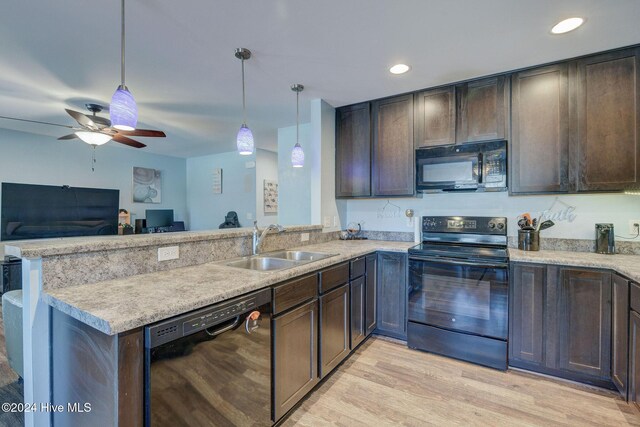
{"x": 384, "y": 384}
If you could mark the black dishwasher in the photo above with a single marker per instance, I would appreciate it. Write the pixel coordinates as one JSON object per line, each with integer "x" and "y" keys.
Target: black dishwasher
{"x": 211, "y": 367}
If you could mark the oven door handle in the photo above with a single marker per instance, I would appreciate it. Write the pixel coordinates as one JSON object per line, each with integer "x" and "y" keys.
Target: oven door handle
{"x": 456, "y": 262}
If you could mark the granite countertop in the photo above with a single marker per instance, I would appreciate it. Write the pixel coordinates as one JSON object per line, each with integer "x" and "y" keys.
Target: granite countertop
{"x": 73, "y": 245}
{"x": 120, "y": 305}
{"x": 627, "y": 265}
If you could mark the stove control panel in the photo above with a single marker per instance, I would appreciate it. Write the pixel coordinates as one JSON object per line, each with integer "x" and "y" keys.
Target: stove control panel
{"x": 465, "y": 224}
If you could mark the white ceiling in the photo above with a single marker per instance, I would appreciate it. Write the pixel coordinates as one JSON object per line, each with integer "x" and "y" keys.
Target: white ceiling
{"x": 182, "y": 70}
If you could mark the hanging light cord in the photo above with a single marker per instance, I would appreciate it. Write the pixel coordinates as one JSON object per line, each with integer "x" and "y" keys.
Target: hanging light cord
{"x": 122, "y": 47}
{"x": 244, "y": 111}
{"x": 297, "y": 117}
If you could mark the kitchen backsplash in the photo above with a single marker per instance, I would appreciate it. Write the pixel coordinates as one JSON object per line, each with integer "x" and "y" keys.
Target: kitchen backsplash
{"x": 580, "y": 245}
{"x": 575, "y": 215}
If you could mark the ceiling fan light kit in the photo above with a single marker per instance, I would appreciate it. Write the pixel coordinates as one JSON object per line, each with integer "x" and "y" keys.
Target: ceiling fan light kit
{"x": 93, "y": 138}
{"x": 297, "y": 154}
{"x": 123, "y": 109}
{"x": 244, "y": 139}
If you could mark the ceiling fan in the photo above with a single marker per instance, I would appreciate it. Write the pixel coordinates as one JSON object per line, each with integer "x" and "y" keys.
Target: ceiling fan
{"x": 96, "y": 130}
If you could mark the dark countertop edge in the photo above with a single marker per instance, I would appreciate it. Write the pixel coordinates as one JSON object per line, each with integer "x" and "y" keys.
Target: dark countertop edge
{"x": 270, "y": 279}
{"x": 74, "y": 245}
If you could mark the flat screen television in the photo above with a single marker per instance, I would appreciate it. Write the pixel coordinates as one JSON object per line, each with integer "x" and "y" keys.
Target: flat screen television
{"x": 44, "y": 211}
{"x": 159, "y": 218}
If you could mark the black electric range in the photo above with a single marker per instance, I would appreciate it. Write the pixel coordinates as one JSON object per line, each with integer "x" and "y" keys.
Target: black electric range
{"x": 458, "y": 289}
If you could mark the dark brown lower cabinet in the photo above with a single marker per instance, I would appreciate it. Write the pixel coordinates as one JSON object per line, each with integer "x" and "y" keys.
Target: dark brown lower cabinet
{"x": 295, "y": 356}
{"x": 370, "y": 294}
{"x": 620, "y": 334}
{"x": 358, "y": 315}
{"x": 584, "y": 320}
{"x": 634, "y": 357}
{"x": 560, "y": 322}
{"x": 526, "y": 314}
{"x": 392, "y": 294}
{"x": 334, "y": 328}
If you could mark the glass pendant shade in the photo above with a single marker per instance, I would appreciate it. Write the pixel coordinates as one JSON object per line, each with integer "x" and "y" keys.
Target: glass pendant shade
{"x": 123, "y": 110}
{"x": 244, "y": 141}
{"x": 297, "y": 156}
{"x": 93, "y": 138}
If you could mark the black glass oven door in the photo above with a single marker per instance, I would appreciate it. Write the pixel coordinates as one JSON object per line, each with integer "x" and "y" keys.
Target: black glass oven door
{"x": 459, "y": 295}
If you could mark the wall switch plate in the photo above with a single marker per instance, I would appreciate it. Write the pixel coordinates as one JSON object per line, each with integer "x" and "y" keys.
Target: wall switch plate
{"x": 336, "y": 222}
{"x": 633, "y": 229}
{"x": 250, "y": 165}
{"x": 304, "y": 237}
{"x": 168, "y": 253}
{"x": 327, "y": 221}
{"x": 249, "y": 215}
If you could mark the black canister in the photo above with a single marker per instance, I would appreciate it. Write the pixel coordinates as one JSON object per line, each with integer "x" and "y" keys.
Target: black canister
{"x": 529, "y": 240}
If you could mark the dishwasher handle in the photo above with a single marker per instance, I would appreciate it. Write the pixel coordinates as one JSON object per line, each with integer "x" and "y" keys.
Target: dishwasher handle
{"x": 224, "y": 329}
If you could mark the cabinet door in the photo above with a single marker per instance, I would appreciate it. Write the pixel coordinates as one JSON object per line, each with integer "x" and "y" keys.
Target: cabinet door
{"x": 353, "y": 151}
{"x": 584, "y": 322}
{"x": 435, "y": 117}
{"x": 608, "y": 119}
{"x": 334, "y": 329}
{"x": 634, "y": 357}
{"x": 358, "y": 304}
{"x": 392, "y": 294}
{"x": 481, "y": 110}
{"x": 540, "y": 131}
{"x": 295, "y": 357}
{"x": 393, "y": 162}
{"x": 526, "y": 333}
{"x": 370, "y": 294}
{"x": 620, "y": 332}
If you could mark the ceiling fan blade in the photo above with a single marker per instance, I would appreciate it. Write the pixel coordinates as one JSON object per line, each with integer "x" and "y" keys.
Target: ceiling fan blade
{"x": 127, "y": 141}
{"x": 143, "y": 132}
{"x": 81, "y": 119}
{"x": 35, "y": 121}
{"x": 70, "y": 136}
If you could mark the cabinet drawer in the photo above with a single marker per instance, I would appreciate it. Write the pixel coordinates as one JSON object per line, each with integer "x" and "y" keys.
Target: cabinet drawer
{"x": 634, "y": 300}
{"x": 333, "y": 277}
{"x": 292, "y": 293}
{"x": 357, "y": 267}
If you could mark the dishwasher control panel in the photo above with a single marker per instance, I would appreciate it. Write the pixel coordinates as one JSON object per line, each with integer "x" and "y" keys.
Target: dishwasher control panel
{"x": 214, "y": 317}
{"x": 205, "y": 318}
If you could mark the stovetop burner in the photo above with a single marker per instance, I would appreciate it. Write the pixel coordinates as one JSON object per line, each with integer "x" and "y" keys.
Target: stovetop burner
{"x": 463, "y": 237}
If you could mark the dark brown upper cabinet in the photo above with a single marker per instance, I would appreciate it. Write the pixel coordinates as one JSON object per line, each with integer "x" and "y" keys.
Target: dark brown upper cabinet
{"x": 393, "y": 163}
{"x": 607, "y": 121}
{"x": 481, "y": 109}
{"x": 435, "y": 113}
{"x": 353, "y": 151}
{"x": 540, "y": 130}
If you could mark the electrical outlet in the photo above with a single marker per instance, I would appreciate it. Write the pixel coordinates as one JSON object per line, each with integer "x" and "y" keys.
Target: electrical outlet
{"x": 336, "y": 222}
{"x": 168, "y": 253}
{"x": 327, "y": 221}
{"x": 304, "y": 237}
{"x": 633, "y": 226}
{"x": 249, "y": 215}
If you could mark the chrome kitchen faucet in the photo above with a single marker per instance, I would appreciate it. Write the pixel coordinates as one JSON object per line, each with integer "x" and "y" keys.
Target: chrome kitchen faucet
{"x": 257, "y": 240}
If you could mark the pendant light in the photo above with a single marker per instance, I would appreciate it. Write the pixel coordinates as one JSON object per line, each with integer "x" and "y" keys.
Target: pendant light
{"x": 244, "y": 140}
{"x": 123, "y": 109}
{"x": 297, "y": 155}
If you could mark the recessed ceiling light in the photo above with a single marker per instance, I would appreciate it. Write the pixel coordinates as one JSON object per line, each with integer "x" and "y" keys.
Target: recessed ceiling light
{"x": 399, "y": 69}
{"x": 567, "y": 25}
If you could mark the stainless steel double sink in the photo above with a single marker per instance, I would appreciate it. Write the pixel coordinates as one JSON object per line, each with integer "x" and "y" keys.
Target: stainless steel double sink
{"x": 279, "y": 260}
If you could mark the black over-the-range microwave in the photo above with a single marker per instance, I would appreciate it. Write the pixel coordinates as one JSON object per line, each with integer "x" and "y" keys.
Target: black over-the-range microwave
{"x": 478, "y": 166}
